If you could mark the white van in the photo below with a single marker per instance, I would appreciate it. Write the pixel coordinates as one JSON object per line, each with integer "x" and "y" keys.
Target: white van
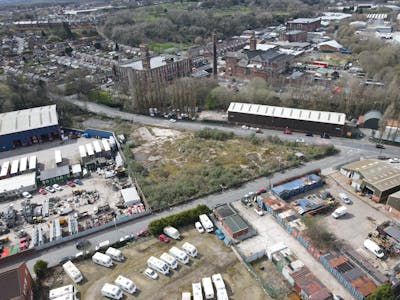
{"x": 102, "y": 245}
{"x": 345, "y": 198}
{"x": 340, "y": 211}
{"x": 125, "y": 284}
{"x": 111, "y": 291}
{"x": 62, "y": 291}
{"x": 102, "y": 259}
{"x": 374, "y": 248}
{"x": 208, "y": 288}
{"x": 72, "y": 271}
{"x": 189, "y": 249}
{"x": 180, "y": 255}
{"x": 158, "y": 265}
{"x": 169, "y": 260}
{"x": 115, "y": 254}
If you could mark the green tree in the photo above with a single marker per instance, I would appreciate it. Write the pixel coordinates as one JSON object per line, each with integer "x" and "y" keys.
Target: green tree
{"x": 40, "y": 268}
{"x": 382, "y": 292}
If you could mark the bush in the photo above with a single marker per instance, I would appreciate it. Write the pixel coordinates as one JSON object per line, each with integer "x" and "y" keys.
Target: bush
{"x": 183, "y": 218}
{"x": 40, "y": 268}
{"x": 104, "y": 97}
{"x": 382, "y": 292}
{"x": 318, "y": 234}
{"x": 214, "y": 134}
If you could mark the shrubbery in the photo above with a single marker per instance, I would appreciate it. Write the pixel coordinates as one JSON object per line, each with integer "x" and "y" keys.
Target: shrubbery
{"x": 183, "y": 218}
{"x": 40, "y": 268}
{"x": 214, "y": 134}
{"x": 104, "y": 97}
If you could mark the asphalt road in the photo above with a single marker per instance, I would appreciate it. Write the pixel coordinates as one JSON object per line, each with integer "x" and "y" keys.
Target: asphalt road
{"x": 350, "y": 150}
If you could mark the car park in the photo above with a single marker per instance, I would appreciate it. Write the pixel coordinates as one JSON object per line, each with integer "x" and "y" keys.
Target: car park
{"x": 57, "y": 187}
{"x": 50, "y": 189}
{"x": 219, "y": 234}
{"x": 199, "y": 227}
{"x": 150, "y": 273}
{"x": 42, "y": 191}
{"x": 26, "y": 195}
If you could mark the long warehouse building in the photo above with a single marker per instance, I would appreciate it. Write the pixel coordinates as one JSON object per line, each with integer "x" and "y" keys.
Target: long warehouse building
{"x": 296, "y": 119}
{"x": 28, "y": 126}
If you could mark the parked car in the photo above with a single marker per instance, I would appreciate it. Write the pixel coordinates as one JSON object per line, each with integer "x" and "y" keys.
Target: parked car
{"x": 394, "y": 160}
{"x": 309, "y": 134}
{"x": 199, "y": 227}
{"x": 345, "y": 198}
{"x": 261, "y": 191}
{"x": 259, "y": 211}
{"x": 143, "y": 232}
{"x": 380, "y": 146}
{"x": 50, "y": 189}
{"x": 172, "y": 120}
{"x": 26, "y": 195}
{"x": 219, "y": 234}
{"x": 65, "y": 259}
{"x": 287, "y": 131}
{"x": 70, "y": 183}
{"x": 150, "y": 273}
{"x": 163, "y": 238}
{"x": 245, "y": 127}
{"x": 42, "y": 191}
{"x": 77, "y": 181}
{"x": 4, "y": 231}
{"x": 57, "y": 187}
{"x": 258, "y": 130}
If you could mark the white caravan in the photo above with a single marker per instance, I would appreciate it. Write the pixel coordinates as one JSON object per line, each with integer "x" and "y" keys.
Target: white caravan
{"x": 189, "y": 249}
{"x": 197, "y": 291}
{"x": 208, "y": 288}
{"x": 169, "y": 260}
{"x": 102, "y": 259}
{"x": 111, "y": 291}
{"x": 179, "y": 254}
{"x": 125, "y": 284}
{"x": 115, "y": 254}
{"x": 62, "y": 291}
{"x": 186, "y": 296}
{"x": 172, "y": 232}
{"x": 72, "y": 271}
{"x": 206, "y": 222}
{"x": 218, "y": 282}
{"x": 158, "y": 265}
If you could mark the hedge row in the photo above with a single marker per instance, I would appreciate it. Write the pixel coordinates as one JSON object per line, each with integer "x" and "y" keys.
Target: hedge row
{"x": 183, "y": 218}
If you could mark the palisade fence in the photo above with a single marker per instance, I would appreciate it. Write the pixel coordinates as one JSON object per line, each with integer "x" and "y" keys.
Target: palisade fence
{"x": 315, "y": 253}
{"x": 268, "y": 289}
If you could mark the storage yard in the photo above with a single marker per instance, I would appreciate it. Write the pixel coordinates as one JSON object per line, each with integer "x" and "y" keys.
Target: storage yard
{"x": 214, "y": 257}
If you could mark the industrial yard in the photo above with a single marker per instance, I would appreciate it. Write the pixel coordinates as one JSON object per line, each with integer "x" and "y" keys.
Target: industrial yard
{"x": 214, "y": 257}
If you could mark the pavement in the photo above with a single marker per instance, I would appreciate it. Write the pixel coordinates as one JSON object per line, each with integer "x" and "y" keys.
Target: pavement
{"x": 271, "y": 233}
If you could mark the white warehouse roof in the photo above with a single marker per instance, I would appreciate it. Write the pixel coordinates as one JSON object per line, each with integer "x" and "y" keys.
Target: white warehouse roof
{"x": 17, "y": 182}
{"x": 130, "y": 196}
{"x": 288, "y": 113}
{"x": 28, "y": 119}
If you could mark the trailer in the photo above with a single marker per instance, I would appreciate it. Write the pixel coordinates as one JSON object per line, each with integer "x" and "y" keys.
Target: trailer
{"x": 125, "y": 284}
{"x": 72, "y": 271}
{"x": 186, "y": 296}
{"x": 102, "y": 260}
{"x": 158, "y": 265}
{"x": 82, "y": 151}
{"x": 197, "y": 291}
{"x": 179, "y": 254}
{"x": 62, "y": 291}
{"x": 111, "y": 291}
{"x": 57, "y": 157}
{"x": 208, "y": 288}
{"x": 206, "y": 222}
{"x": 169, "y": 260}
{"x": 218, "y": 281}
{"x": 32, "y": 163}
{"x": 14, "y": 167}
{"x": 23, "y": 164}
{"x": 115, "y": 254}
{"x": 189, "y": 249}
{"x": 172, "y": 232}
{"x": 89, "y": 149}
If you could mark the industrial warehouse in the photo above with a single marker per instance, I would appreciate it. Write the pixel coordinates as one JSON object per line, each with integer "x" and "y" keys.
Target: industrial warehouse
{"x": 28, "y": 126}
{"x": 312, "y": 121}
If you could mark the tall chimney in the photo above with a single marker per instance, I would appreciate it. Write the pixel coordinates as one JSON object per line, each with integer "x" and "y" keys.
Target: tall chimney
{"x": 253, "y": 42}
{"x": 215, "y": 73}
{"x": 144, "y": 50}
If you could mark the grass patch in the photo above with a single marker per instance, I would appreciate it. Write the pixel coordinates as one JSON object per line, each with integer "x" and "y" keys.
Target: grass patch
{"x": 163, "y": 46}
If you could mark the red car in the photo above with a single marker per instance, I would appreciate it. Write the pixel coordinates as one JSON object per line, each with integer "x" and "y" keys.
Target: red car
{"x": 42, "y": 191}
{"x": 70, "y": 183}
{"x": 163, "y": 238}
{"x": 287, "y": 131}
{"x": 261, "y": 191}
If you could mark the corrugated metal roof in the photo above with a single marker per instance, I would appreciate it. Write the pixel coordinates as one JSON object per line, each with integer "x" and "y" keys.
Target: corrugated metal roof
{"x": 28, "y": 119}
{"x": 235, "y": 223}
{"x": 288, "y": 113}
{"x": 372, "y": 114}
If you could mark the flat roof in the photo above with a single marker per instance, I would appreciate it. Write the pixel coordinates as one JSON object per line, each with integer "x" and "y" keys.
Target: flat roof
{"x": 361, "y": 164}
{"x": 304, "y": 20}
{"x": 130, "y": 194}
{"x": 235, "y": 223}
{"x": 54, "y": 172}
{"x": 28, "y": 119}
{"x": 225, "y": 211}
{"x": 288, "y": 113}
{"x": 17, "y": 182}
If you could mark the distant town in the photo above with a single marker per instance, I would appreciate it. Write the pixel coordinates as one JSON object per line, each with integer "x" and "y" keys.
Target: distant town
{"x": 199, "y": 149}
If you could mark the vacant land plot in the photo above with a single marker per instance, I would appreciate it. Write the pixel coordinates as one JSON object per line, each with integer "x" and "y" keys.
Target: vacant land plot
{"x": 175, "y": 165}
{"x": 214, "y": 257}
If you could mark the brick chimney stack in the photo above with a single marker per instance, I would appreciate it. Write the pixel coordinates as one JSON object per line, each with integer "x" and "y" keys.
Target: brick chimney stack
{"x": 253, "y": 42}
{"x": 144, "y": 50}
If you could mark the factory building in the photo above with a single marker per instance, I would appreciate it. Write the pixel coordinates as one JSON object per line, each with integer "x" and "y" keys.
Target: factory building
{"x": 295, "y": 119}
{"x": 233, "y": 224}
{"x": 28, "y": 126}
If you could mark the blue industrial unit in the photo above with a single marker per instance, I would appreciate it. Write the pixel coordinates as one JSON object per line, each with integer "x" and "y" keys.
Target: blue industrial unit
{"x": 28, "y": 126}
{"x": 297, "y": 186}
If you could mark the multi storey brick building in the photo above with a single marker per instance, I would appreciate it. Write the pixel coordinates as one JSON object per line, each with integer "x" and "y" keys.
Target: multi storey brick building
{"x": 305, "y": 24}
{"x": 16, "y": 283}
{"x": 294, "y": 36}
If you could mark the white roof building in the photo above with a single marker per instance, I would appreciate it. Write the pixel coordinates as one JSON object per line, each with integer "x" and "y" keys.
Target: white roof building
{"x": 130, "y": 196}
